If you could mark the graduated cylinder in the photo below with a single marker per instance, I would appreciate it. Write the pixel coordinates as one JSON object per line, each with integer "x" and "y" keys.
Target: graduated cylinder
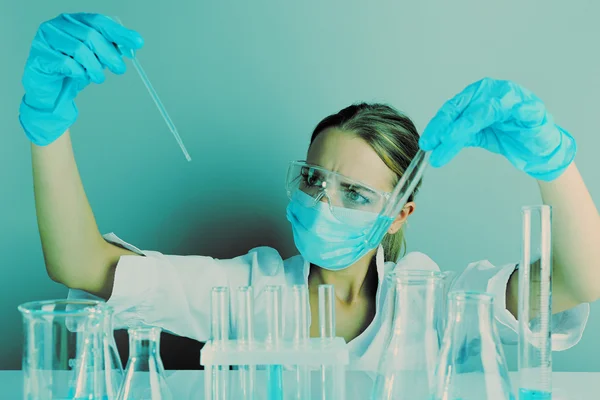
{"x": 535, "y": 304}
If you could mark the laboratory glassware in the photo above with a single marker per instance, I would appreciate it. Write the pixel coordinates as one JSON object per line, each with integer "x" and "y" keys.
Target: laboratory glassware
{"x": 407, "y": 365}
{"x": 217, "y": 377}
{"x": 301, "y": 338}
{"x": 144, "y": 375}
{"x": 398, "y": 197}
{"x": 245, "y": 339}
{"x": 270, "y": 350}
{"x": 471, "y": 362}
{"x": 327, "y": 333}
{"x": 273, "y": 295}
{"x": 69, "y": 351}
{"x": 112, "y": 360}
{"x": 154, "y": 95}
{"x": 535, "y": 304}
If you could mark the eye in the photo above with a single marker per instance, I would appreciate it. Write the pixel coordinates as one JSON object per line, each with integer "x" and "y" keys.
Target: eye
{"x": 311, "y": 177}
{"x": 357, "y": 198}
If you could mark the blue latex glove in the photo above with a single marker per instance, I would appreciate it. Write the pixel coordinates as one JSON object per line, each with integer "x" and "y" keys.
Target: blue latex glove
{"x": 67, "y": 54}
{"x": 504, "y": 118}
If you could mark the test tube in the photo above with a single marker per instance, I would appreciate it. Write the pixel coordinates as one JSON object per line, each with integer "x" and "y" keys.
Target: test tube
{"x": 327, "y": 311}
{"x": 274, "y": 327}
{"x": 245, "y": 338}
{"x": 399, "y": 196}
{"x": 301, "y": 338}
{"x": 535, "y": 304}
{"x": 327, "y": 331}
{"x": 220, "y": 335}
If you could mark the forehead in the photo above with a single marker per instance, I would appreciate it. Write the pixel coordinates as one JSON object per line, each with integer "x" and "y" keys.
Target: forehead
{"x": 346, "y": 153}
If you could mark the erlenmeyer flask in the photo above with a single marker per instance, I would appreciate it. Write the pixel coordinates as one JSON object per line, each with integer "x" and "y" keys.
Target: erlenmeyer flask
{"x": 472, "y": 364}
{"x": 407, "y": 365}
{"x": 144, "y": 374}
{"x": 69, "y": 351}
{"x": 112, "y": 361}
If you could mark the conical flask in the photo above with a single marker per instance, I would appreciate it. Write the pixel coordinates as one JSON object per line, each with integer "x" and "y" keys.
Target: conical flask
{"x": 98, "y": 368}
{"x": 408, "y": 362}
{"x": 472, "y": 364}
{"x": 69, "y": 351}
{"x": 144, "y": 374}
{"x": 112, "y": 360}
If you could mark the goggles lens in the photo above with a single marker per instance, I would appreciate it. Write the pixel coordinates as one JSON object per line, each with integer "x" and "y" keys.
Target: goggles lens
{"x": 342, "y": 193}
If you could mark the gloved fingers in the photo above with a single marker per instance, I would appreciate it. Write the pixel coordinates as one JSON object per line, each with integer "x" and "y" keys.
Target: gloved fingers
{"x": 71, "y": 47}
{"x": 474, "y": 119}
{"x": 530, "y": 114}
{"x": 111, "y": 30}
{"x": 463, "y": 117}
{"x": 104, "y": 50}
{"x": 45, "y": 61}
{"x": 445, "y": 117}
{"x": 74, "y": 70}
{"x": 485, "y": 139}
{"x": 444, "y": 153}
{"x": 430, "y": 138}
{"x": 52, "y": 70}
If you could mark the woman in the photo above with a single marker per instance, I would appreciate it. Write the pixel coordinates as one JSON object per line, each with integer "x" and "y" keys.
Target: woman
{"x": 355, "y": 157}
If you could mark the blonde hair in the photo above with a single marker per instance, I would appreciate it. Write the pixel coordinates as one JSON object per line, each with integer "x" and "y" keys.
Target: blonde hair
{"x": 394, "y": 138}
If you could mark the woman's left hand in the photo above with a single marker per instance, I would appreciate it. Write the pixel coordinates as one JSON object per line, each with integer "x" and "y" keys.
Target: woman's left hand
{"x": 504, "y": 118}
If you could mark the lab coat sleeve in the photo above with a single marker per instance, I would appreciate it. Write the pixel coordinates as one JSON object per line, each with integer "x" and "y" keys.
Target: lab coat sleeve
{"x": 174, "y": 292}
{"x": 567, "y": 327}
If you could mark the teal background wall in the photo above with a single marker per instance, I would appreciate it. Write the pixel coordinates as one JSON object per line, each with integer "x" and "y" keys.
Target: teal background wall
{"x": 246, "y": 82}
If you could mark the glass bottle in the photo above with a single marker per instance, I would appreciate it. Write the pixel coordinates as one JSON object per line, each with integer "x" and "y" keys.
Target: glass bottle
{"x": 69, "y": 351}
{"x": 144, "y": 374}
{"x": 471, "y": 363}
{"x": 407, "y": 365}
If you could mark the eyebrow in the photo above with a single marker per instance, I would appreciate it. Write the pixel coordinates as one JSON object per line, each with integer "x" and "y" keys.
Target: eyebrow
{"x": 347, "y": 185}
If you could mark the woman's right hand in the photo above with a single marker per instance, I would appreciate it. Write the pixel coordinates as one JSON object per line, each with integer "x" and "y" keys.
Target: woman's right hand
{"x": 67, "y": 53}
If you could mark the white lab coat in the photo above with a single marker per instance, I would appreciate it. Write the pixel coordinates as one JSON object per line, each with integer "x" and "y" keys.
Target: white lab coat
{"x": 173, "y": 292}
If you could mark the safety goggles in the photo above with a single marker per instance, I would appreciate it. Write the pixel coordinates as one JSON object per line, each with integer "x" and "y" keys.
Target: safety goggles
{"x": 343, "y": 194}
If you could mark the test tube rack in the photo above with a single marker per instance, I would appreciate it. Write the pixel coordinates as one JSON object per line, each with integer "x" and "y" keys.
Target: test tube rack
{"x": 315, "y": 352}
{"x": 316, "y": 355}
{"x": 301, "y": 356}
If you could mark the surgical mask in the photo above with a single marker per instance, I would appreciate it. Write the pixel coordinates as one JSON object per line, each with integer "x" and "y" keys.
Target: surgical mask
{"x": 322, "y": 239}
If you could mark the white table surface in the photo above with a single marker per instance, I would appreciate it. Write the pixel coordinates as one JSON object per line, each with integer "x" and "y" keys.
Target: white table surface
{"x": 188, "y": 385}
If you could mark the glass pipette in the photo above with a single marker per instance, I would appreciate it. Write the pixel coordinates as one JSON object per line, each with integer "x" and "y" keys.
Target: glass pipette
{"x": 154, "y": 96}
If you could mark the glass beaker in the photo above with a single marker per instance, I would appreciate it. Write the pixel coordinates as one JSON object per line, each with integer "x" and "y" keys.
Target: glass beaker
{"x": 471, "y": 363}
{"x": 144, "y": 375}
{"x": 407, "y": 365}
{"x": 69, "y": 351}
